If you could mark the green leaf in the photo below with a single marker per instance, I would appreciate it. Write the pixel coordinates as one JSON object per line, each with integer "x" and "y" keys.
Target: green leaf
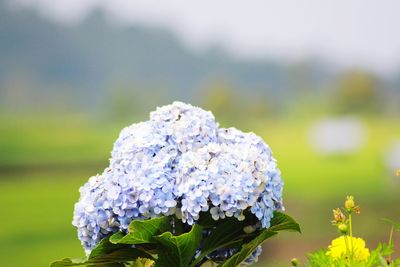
{"x": 318, "y": 258}
{"x": 153, "y": 236}
{"x": 104, "y": 247}
{"x": 68, "y": 262}
{"x": 142, "y": 231}
{"x": 374, "y": 258}
{"x": 396, "y": 225}
{"x": 230, "y": 232}
{"x": 115, "y": 258}
{"x": 178, "y": 251}
{"x": 280, "y": 222}
{"x": 283, "y": 222}
{"x": 105, "y": 254}
{"x": 247, "y": 249}
{"x": 387, "y": 249}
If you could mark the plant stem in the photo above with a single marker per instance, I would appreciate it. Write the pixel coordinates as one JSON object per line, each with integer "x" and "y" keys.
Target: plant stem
{"x": 390, "y": 242}
{"x": 391, "y": 235}
{"x": 346, "y": 242}
{"x": 350, "y": 226}
{"x": 351, "y": 236}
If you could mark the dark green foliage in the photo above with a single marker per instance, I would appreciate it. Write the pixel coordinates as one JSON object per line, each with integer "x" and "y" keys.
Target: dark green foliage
{"x": 318, "y": 258}
{"x": 178, "y": 250}
{"x": 177, "y": 246}
{"x": 106, "y": 254}
{"x": 142, "y": 232}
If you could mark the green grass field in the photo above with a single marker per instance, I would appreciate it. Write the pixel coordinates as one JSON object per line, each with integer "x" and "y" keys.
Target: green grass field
{"x": 43, "y": 164}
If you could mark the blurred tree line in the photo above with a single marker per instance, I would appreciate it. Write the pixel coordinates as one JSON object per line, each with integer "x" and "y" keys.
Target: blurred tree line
{"x": 357, "y": 91}
{"x": 115, "y": 72}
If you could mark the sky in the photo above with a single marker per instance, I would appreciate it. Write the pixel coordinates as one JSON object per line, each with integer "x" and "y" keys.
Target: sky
{"x": 346, "y": 33}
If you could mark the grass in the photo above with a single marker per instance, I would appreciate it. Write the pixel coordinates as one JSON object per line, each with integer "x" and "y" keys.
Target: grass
{"x": 37, "y": 203}
{"x": 37, "y": 213}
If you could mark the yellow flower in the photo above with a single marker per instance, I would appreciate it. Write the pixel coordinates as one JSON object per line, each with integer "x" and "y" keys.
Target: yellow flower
{"x": 340, "y": 246}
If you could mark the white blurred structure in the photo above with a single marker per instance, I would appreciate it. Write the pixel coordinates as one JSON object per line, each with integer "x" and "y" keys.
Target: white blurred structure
{"x": 392, "y": 158}
{"x": 340, "y": 135}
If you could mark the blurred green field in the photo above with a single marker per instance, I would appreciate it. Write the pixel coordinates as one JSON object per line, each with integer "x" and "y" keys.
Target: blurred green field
{"x": 44, "y": 162}
{"x": 37, "y": 214}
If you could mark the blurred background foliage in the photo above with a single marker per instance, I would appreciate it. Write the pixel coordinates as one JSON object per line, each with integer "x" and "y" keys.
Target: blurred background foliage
{"x": 67, "y": 90}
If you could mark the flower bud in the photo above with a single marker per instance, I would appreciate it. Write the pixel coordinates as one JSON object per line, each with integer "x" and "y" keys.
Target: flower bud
{"x": 295, "y": 262}
{"x": 357, "y": 209}
{"x": 249, "y": 229}
{"x": 343, "y": 228}
{"x": 349, "y": 204}
{"x": 338, "y": 216}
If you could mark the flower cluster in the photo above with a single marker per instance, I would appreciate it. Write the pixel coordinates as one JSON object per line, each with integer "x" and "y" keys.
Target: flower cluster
{"x": 179, "y": 163}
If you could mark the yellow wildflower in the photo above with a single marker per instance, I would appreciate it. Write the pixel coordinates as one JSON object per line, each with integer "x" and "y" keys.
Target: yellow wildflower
{"x": 345, "y": 246}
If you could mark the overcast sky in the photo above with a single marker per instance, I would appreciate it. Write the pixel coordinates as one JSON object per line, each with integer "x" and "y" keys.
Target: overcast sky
{"x": 344, "y": 32}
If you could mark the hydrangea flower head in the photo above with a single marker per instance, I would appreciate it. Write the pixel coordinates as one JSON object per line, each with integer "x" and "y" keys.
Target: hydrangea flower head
{"x": 180, "y": 163}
